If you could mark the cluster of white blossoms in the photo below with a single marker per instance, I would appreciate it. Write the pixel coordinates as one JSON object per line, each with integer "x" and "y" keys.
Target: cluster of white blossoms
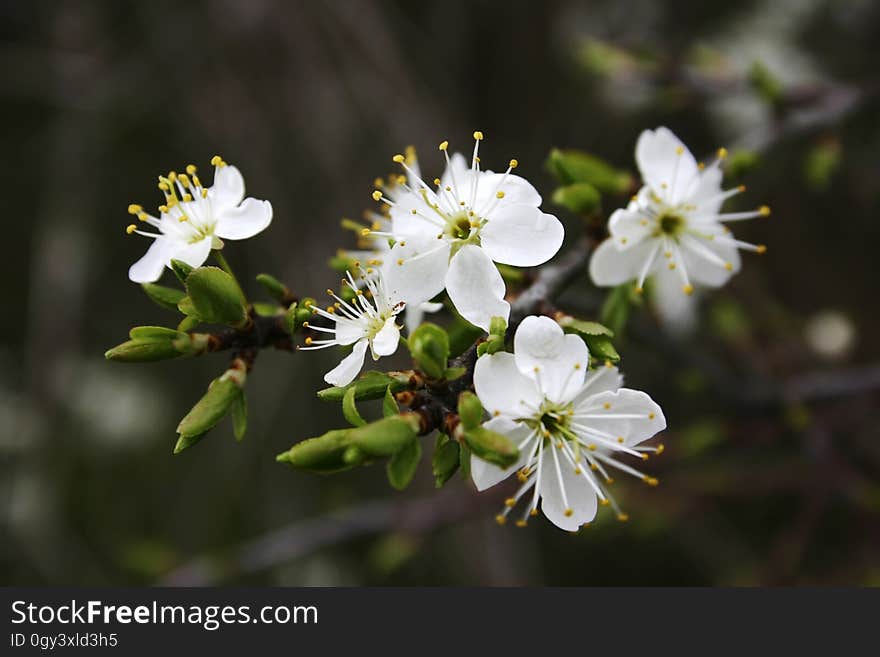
{"x": 673, "y": 229}
{"x": 569, "y": 425}
{"x": 195, "y": 218}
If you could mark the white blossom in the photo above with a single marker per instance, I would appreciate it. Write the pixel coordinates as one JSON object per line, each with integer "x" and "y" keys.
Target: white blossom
{"x": 451, "y": 236}
{"x": 368, "y": 321}
{"x": 673, "y": 229}
{"x": 194, "y": 218}
{"x": 569, "y": 424}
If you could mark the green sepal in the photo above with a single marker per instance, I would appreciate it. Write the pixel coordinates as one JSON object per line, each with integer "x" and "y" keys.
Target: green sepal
{"x": 402, "y": 465}
{"x": 216, "y": 297}
{"x": 185, "y": 305}
{"x": 349, "y": 409}
{"x": 386, "y": 436}
{"x": 181, "y": 270}
{"x": 464, "y": 461}
{"x": 185, "y": 442}
{"x": 267, "y": 309}
{"x": 429, "y": 346}
{"x": 239, "y": 413}
{"x": 188, "y": 323}
{"x": 167, "y": 297}
{"x": 453, "y": 373}
{"x": 584, "y": 327}
{"x": 155, "y": 334}
{"x": 276, "y": 289}
{"x": 491, "y": 446}
{"x": 446, "y": 459}
{"x": 389, "y": 404}
{"x": 580, "y": 197}
{"x": 371, "y": 385}
{"x": 597, "y": 337}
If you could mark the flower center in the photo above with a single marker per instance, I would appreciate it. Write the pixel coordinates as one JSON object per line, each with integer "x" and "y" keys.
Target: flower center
{"x": 670, "y": 224}
{"x": 553, "y": 419}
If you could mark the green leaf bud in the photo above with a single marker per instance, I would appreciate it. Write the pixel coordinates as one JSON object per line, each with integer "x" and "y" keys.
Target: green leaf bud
{"x": 216, "y": 297}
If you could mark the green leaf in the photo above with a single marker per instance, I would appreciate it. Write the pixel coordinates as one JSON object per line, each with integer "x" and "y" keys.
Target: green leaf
{"x": 386, "y": 436}
{"x": 239, "y": 413}
{"x": 155, "y": 334}
{"x": 187, "y": 308}
{"x": 210, "y": 409}
{"x": 402, "y": 465}
{"x": 453, "y": 373}
{"x": 349, "y": 409}
{"x": 267, "y": 309}
{"x": 445, "y": 461}
{"x": 216, "y": 296}
{"x": 167, "y": 297}
{"x": 581, "y": 326}
{"x": 572, "y": 166}
{"x": 323, "y": 454}
{"x": 276, "y": 289}
{"x": 615, "y": 310}
{"x": 389, "y": 404}
{"x": 464, "y": 461}
{"x": 491, "y": 446}
{"x": 181, "y": 270}
{"x": 188, "y": 323}
{"x": 371, "y": 385}
{"x": 139, "y": 351}
{"x": 429, "y": 346}
{"x": 185, "y": 442}
{"x": 470, "y": 410}
{"x": 581, "y": 198}
{"x": 601, "y": 349}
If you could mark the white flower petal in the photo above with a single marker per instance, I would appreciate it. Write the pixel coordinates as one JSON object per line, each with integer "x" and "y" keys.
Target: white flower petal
{"x": 515, "y": 190}
{"x": 349, "y": 331}
{"x": 628, "y": 228}
{"x": 193, "y": 254}
{"x": 228, "y": 188}
{"x": 701, "y": 266}
{"x": 503, "y": 389}
{"x": 415, "y": 271}
{"x": 344, "y": 373}
{"x": 486, "y": 475}
{"x": 556, "y": 360}
{"x": 413, "y": 315}
{"x": 149, "y": 268}
{"x": 456, "y": 173}
{"x": 677, "y": 311}
{"x": 601, "y": 379}
{"x": 245, "y": 220}
{"x": 425, "y": 222}
{"x": 475, "y": 287}
{"x": 665, "y": 163}
{"x": 579, "y": 499}
{"x": 707, "y": 188}
{"x": 385, "y": 342}
{"x": 521, "y": 235}
{"x": 610, "y": 266}
{"x": 623, "y": 402}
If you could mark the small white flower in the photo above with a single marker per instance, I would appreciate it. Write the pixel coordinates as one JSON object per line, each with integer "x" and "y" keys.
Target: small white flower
{"x": 673, "y": 228}
{"x": 193, "y": 217}
{"x": 374, "y": 247}
{"x": 450, "y": 237}
{"x": 369, "y": 320}
{"x": 569, "y": 424}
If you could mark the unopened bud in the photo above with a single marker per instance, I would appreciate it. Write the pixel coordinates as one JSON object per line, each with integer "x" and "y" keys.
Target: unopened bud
{"x": 470, "y": 410}
{"x": 211, "y": 408}
{"x": 329, "y": 452}
{"x": 274, "y": 287}
{"x": 216, "y": 297}
{"x": 429, "y": 346}
{"x": 580, "y": 198}
{"x": 491, "y": 446}
{"x": 386, "y": 436}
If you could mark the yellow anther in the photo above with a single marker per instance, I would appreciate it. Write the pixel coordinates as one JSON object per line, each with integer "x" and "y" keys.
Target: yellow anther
{"x": 400, "y": 159}
{"x": 764, "y": 211}
{"x": 443, "y": 145}
{"x": 143, "y": 216}
{"x": 620, "y": 439}
{"x": 499, "y": 194}
{"x": 513, "y": 164}
{"x": 331, "y": 309}
{"x": 568, "y": 513}
{"x": 509, "y": 502}
{"x": 500, "y": 519}
{"x": 671, "y": 265}
{"x": 651, "y": 481}
{"x": 163, "y": 209}
{"x": 722, "y": 153}
{"x": 728, "y": 266}
{"x": 622, "y": 517}
{"x": 521, "y": 523}
{"x": 130, "y": 229}
{"x": 191, "y": 169}
{"x": 400, "y": 261}
{"x": 701, "y": 166}
{"x": 437, "y": 182}
{"x": 609, "y": 364}
{"x": 609, "y": 480}
{"x": 217, "y": 161}
{"x": 134, "y": 208}
{"x": 660, "y": 448}
{"x": 741, "y": 188}
{"x": 761, "y": 248}
{"x": 187, "y": 198}
{"x": 679, "y": 150}
{"x": 604, "y": 501}
{"x": 606, "y": 406}
{"x": 163, "y": 186}
{"x": 577, "y": 366}
{"x": 172, "y": 176}
{"x": 308, "y": 341}
{"x": 638, "y": 290}
{"x": 184, "y": 179}
{"x": 478, "y": 135}
{"x": 651, "y": 416}
{"x": 533, "y": 512}
{"x": 183, "y": 218}
{"x": 688, "y": 289}
{"x": 591, "y": 447}
{"x": 623, "y": 240}
{"x": 377, "y": 195}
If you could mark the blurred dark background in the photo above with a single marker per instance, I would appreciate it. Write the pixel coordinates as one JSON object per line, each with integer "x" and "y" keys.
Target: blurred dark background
{"x": 772, "y": 468}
